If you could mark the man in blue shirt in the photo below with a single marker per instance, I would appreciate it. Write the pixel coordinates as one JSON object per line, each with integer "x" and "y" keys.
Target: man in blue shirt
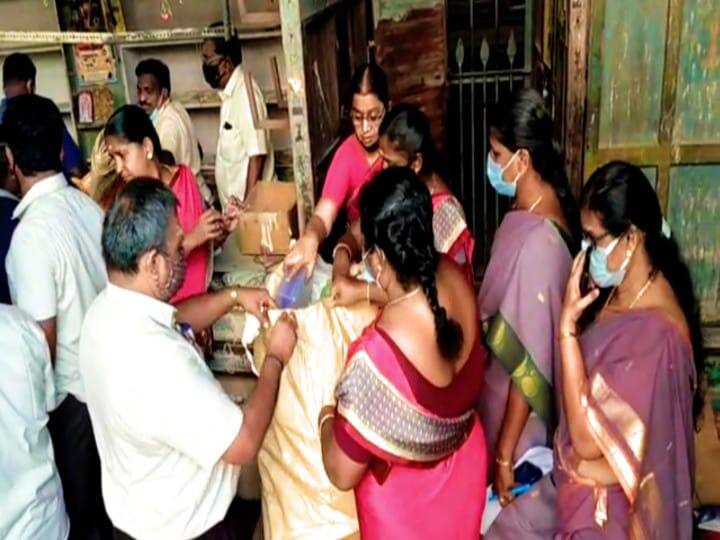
{"x": 19, "y": 74}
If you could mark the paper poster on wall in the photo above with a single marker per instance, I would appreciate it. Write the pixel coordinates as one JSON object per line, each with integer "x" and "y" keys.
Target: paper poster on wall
{"x": 94, "y": 63}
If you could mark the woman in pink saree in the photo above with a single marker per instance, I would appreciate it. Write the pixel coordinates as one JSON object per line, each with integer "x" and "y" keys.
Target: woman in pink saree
{"x": 133, "y": 142}
{"x": 522, "y": 291}
{"x": 404, "y": 432}
{"x": 629, "y": 331}
{"x": 406, "y": 141}
{"x": 354, "y": 164}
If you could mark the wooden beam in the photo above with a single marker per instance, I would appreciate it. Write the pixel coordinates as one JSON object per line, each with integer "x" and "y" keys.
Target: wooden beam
{"x": 293, "y": 47}
{"x": 576, "y": 85}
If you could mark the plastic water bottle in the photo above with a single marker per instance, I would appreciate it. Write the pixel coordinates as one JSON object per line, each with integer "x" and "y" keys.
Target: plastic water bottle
{"x": 294, "y": 292}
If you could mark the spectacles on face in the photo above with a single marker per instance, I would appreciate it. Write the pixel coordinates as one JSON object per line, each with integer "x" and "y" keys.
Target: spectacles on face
{"x": 373, "y": 118}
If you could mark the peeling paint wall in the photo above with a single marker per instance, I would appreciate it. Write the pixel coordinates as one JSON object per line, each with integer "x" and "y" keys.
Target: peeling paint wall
{"x": 397, "y": 10}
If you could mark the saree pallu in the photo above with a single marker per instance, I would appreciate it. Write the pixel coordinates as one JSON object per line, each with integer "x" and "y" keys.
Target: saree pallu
{"x": 452, "y": 236}
{"x": 638, "y": 405}
{"x": 189, "y": 209}
{"x": 298, "y": 500}
{"x": 519, "y": 303}
{"x": 424, "y": 445}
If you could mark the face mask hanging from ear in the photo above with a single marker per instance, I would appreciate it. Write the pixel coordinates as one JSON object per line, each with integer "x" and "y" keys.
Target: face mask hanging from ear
{"x": 176, "y": 278}
{"x": 497, "y": 181}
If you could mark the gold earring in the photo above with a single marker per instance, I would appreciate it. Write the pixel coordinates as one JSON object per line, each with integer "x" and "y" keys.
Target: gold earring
{"x": 149, "y": 155}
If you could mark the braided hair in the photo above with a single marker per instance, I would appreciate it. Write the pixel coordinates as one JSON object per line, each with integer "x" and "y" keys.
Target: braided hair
{"x": 396, "y": 217}
{"x": 525, "y": 123}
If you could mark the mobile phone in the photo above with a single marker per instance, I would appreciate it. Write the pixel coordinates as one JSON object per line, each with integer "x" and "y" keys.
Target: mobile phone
{"x": 585, "y": 280}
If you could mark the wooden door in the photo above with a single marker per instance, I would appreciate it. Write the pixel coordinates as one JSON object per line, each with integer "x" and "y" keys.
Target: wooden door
{"x": 654, "y": 100}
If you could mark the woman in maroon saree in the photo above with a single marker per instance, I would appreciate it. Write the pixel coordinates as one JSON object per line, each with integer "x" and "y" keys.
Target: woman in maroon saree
{"x": 404, "y": 432}
{"x": 624, "y": 446}
{"x": 521, "y": 295}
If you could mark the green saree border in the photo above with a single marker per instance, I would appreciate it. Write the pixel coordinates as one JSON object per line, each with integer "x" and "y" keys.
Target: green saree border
{"x": 505, "y": 345}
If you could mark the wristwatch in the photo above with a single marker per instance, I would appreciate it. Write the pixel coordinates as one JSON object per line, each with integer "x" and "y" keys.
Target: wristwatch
{"x": 235, "y": 295}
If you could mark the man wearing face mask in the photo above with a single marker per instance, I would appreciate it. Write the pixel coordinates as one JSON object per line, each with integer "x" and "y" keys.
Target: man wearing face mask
{"x": 172, "y": 122}
{"x": 171, "y": 441}
{"x": 244, "y": 154}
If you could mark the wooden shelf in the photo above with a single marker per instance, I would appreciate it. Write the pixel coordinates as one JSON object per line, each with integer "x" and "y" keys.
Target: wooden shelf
{"x": 141, "y": 38}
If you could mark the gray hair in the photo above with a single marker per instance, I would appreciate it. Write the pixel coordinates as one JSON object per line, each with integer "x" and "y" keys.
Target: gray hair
{"x": 136, "y": 223}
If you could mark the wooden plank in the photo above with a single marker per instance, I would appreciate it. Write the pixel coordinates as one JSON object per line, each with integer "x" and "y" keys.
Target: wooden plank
{"x": 414, "y": 65}
{"x": 292, "y": 37}
{"x": 711, "y": 338}
{"x": 576, "y": 83}
{"x": 323, "y": 89}
{"x": 698, "y": 99}
{"x": 633, "y": 60}
{"x": 694, "y": 217}
{"x": 665, "y": 154}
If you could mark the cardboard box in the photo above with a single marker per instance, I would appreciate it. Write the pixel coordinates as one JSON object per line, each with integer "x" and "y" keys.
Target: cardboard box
{"x": 270, "y": 221}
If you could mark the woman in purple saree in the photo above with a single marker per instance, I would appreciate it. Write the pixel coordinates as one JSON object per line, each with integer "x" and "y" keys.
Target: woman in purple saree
{"x": 624, "y": 445}
{"x": 521, "y": 295}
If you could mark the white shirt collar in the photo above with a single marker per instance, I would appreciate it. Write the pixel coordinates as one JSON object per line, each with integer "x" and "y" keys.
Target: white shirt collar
{"x": 160, "y": 312}
{"x": 51, "y": 184}
{"x": 4, "y": 194}
{"x": 236, "y": 79}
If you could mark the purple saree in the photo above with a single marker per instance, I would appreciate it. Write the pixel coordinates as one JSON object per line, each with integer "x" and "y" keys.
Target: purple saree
{"x": 519, "y": 304}
{"x": 639, "y": 408}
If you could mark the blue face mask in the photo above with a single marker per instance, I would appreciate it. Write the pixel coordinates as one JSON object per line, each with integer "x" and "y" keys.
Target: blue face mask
{"x": 154, "y": 115}
{"x": 599, "y": 272}
{"x": 497, "y": 181}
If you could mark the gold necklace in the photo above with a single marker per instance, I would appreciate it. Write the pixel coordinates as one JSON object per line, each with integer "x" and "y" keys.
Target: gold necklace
{"x": 403, "y": 297}
{"x": 533, "y": 206}
{"x": 638, "y": 296}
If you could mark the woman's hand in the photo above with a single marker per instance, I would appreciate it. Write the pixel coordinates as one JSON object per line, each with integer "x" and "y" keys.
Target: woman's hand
{"x": 575, "y": 303}
{"x": 347, "y": 291}
{"x": 209, "y": 227}
{"x": 302, "y": 256}
{"x": 283, "y": 338}
{"x": 231, "y": 215}
{"x": 504, "y": 480}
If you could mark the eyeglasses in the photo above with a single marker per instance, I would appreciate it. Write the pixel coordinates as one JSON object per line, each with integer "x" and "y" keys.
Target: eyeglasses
{"x": 373, "y": 118}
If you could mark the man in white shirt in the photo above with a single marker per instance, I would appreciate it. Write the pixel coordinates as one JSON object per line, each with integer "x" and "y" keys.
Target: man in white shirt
{"x": 172, "y": 122}
{"x": 32, "y": 499}
{"x": 244, "y": 154}
{"x": 55, "y": 270}
{"x": 171, "y": 441}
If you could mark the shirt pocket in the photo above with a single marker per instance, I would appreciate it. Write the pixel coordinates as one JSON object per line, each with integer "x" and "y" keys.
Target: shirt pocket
{"x": 231, "y": 145}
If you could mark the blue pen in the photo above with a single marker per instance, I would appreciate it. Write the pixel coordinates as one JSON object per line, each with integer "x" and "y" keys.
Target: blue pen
{"x": 515, "y": 491}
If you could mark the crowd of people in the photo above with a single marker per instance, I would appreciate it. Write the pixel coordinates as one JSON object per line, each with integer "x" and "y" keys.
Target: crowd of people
{"x": 555, "y": 399}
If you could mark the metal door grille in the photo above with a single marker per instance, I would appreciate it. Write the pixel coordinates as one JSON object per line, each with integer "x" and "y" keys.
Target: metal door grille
{"x": 489, "y": 44}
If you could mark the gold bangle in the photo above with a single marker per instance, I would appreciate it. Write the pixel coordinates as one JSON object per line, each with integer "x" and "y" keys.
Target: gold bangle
{"x": 324, "y": 418}
{"x": 564, "y": 334}
{"x": 502, "y": 462}
{"x": 235, "y": 296}
{"x": 342, "y": 245}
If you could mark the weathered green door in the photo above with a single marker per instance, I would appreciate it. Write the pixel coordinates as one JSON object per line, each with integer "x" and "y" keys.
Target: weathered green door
{"x": 654, "y": 100}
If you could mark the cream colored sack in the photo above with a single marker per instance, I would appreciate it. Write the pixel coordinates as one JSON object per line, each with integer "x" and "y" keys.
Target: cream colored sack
{"x": 298, "y": 500}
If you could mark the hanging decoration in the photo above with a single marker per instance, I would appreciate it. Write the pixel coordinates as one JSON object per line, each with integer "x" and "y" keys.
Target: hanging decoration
{"x": 166, "y": 12}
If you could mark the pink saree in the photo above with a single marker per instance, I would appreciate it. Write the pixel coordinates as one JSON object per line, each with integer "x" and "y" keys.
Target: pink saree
{"x": 452, "y": 236}
{"x": 519, "y": 303}
{"x": 639, "y": 408}
{"x": 424, "y": 445}
{"x": 349, "y": 172}
{"x": 190, "y": 207}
